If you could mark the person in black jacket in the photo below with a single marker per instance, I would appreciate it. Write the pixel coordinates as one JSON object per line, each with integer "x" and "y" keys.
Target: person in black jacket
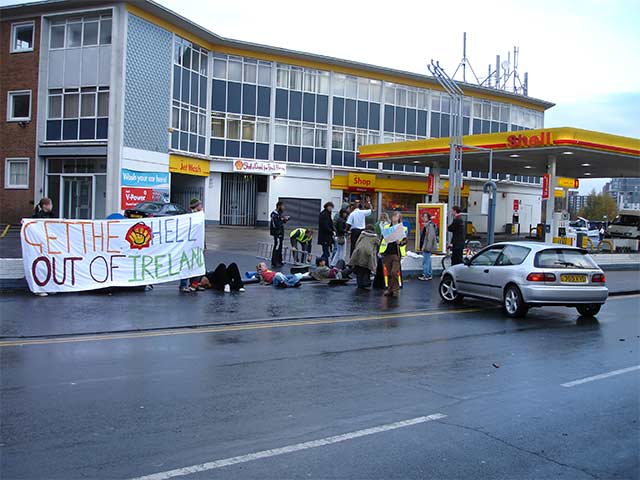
{"x": 326, "y": 231}
{"x": 44, "y": 209}
{"x": 276, "y": 228}
{"x": 457, "y": 236}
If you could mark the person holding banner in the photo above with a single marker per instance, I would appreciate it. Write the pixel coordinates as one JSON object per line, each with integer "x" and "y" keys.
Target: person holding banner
{"x": 395, "y": 237}
{"x": 188, "y": 285}
{"x": 44, "y": 209}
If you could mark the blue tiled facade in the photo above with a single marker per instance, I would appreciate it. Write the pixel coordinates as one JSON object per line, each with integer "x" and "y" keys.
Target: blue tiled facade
{"x": 147, "y": 86}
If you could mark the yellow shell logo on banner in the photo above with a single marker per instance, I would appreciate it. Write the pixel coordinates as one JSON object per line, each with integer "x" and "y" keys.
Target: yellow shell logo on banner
{"x": 139, "y": 236}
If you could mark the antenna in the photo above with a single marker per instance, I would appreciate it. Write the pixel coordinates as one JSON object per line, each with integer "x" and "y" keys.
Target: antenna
{"x": 464, "y": 63}
{"x": 505, "y": 76}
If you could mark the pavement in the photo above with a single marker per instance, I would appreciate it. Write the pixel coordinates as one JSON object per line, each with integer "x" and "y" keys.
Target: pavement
{"x": 437, "y": 392}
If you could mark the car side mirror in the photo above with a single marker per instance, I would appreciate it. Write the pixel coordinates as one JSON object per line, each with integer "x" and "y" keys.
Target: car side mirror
{"x": 466, "y": 261}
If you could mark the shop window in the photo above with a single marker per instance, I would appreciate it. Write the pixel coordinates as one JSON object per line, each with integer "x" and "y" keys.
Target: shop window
{"x": 16, "y": 173}
{"x": 322, "y": 105}
{"x": 338, "y": 111}
{"x": 282, "y": 103}
{"x": 22, "y": 35}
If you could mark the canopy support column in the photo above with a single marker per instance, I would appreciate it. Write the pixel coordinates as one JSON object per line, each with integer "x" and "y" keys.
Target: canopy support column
{"x": 435, "y": 171}
{"x": 550, "y": 224}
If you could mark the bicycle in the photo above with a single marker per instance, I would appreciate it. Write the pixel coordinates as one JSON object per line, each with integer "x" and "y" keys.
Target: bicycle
{"x": 470, "y": 249}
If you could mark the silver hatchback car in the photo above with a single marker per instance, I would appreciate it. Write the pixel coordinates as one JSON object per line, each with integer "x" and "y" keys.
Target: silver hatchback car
{"x": 521, "y": 275}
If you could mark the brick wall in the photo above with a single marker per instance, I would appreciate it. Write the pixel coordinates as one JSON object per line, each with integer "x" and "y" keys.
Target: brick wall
{"x": 18, "y": 71}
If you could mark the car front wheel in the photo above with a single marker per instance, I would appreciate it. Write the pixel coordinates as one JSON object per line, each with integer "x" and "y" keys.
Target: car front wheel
{"x": 448, "y": 291}
{"x": 590, "y": 310}
{"x": 513, "y": 303}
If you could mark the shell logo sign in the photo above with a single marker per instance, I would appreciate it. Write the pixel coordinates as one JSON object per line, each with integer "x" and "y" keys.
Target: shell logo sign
{"x": 139, "y": 236}
{"x": 260, "y": 168}
{"x": 523, "y": 140}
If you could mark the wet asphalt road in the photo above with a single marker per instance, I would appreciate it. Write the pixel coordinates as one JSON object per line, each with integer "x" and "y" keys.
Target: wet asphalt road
{"x": 112, "y": 407}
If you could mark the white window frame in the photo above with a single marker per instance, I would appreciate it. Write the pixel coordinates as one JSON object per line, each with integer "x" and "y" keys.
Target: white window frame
{"x": 14, "y": 26}
{"x": 7, "y": 173}
{"x": 10, "y": 117}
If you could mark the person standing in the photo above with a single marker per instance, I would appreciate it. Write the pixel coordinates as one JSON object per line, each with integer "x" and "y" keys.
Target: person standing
{"x": 326, "y": 231}
{"x": 276, "y": 229}
{"x": 391, "y": 257}
{"x": 341, "y": 238}
{"x": 457, "y": 236}
{"x": 356, "y": 223}
{"x": 428, "y": 243}
{"x": 44, "y": 209}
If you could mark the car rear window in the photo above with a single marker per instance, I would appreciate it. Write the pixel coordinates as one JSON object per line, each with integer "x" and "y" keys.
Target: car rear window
{"x": 148, "y": 207}
{"x": 563, "y": 258}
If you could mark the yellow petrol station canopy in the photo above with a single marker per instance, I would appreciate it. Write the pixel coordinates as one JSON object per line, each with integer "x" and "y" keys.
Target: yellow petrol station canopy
{"x": 579, "y": 153}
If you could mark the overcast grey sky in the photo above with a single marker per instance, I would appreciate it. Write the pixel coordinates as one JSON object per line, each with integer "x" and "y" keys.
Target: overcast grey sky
{"x": 580, "y": 54}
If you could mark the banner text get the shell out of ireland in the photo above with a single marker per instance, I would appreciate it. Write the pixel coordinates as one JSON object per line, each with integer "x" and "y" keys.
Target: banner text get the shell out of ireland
{"x": 72, "y": 255}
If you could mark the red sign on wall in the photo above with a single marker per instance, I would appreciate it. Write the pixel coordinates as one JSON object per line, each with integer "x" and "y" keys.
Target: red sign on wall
{"x": 516, "y": 205}
{"x": 132, "y": 196}
{"x": 430, "y": 183}
{"x": 546, "y": 180}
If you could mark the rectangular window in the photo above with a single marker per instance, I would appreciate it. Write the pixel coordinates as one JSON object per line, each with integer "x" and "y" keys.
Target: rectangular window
{"x": 233, "y": 128}
{"x": 351, "y": 87}
{"x": 262, "y": 131}
{"x": 90, "y": 33}
{"x": 19, "y": 106}
{"x": 105, "y": 31}
{"x": 338, "y": 84}
{"x": 16, "y": 173}
{"x": 282, "y": 76}
{"x": 74, "y": 35}
{"x": 294, "y": 135}
{"x": 264, "y": 73}
{"x": 281, "y": 133}
{"x": 217, "y": 125}
{"x": 57, "y": 36}
{"x": 22, "y": 37}
{"x": 248, "y": 129}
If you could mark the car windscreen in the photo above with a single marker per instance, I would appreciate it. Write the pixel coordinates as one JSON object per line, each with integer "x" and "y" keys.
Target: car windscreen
{"x": 148, "y": 207}
{"x": 627, "y": 220}
{"x": 564, "y": 258}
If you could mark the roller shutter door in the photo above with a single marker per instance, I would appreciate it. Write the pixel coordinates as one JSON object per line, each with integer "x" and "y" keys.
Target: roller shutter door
{"x": 304, "y": 212}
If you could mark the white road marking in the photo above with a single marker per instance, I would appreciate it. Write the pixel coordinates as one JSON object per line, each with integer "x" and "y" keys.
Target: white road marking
{"x": 601, "y": 376}
{"x": 288, "y": 449}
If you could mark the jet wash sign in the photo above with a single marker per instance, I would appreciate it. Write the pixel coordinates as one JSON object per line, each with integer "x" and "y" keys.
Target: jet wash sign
{"x": 73, "y": 255}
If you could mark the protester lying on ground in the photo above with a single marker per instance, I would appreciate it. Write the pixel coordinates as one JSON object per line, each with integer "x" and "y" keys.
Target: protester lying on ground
{"x": 277, "y": 279}
{"x": 364, "y": 258}
{"x": 224, "y": 278}
{"x": 322, "y": 272}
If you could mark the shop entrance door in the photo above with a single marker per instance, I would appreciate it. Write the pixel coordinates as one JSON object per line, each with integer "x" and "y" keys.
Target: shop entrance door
{"x": 77, "y": 197}
{"x": 238, "y": 205}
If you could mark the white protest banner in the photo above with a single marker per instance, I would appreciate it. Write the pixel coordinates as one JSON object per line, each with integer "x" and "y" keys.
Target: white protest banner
{"x": 72, "y": 255}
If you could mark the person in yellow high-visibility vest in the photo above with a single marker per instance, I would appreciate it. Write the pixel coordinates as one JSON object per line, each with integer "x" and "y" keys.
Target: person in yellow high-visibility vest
{"x": 392, "y": 253}
{"x": 301, "y": 240}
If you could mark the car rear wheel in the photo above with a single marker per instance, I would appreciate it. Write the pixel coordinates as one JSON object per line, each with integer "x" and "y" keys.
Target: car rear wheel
{"x": 590, "y": 310}
{"x": 513, "y": 303}
{"x": 448, "y": 291}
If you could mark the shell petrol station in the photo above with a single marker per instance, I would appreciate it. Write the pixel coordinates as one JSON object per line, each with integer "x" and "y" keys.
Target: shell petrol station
{"x": 561, "y": 156}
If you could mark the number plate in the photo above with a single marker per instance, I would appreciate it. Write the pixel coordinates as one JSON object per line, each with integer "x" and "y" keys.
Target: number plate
{"x": 573, "y": 278}
{"x": 135, "y": 215}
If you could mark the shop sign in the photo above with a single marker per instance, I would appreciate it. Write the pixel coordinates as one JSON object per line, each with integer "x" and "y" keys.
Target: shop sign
{"x": 142, "y": 187}
{"x": 362, "y": 181}
{"x": 73, "y": 255}
{"x": 188, "y": 166}
{"x": 566, "y": 182}
{"x": 546, "y": 181}
{"x": 132, "y": 196}
{"x": 524, "y": 140}
{"x": 259, "y": 168}
{"x": 559, "y": 193}
{"x": 430, "y": 184}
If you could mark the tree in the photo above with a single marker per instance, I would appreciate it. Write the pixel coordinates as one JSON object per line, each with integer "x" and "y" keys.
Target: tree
{"x": 599, "y": 206}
